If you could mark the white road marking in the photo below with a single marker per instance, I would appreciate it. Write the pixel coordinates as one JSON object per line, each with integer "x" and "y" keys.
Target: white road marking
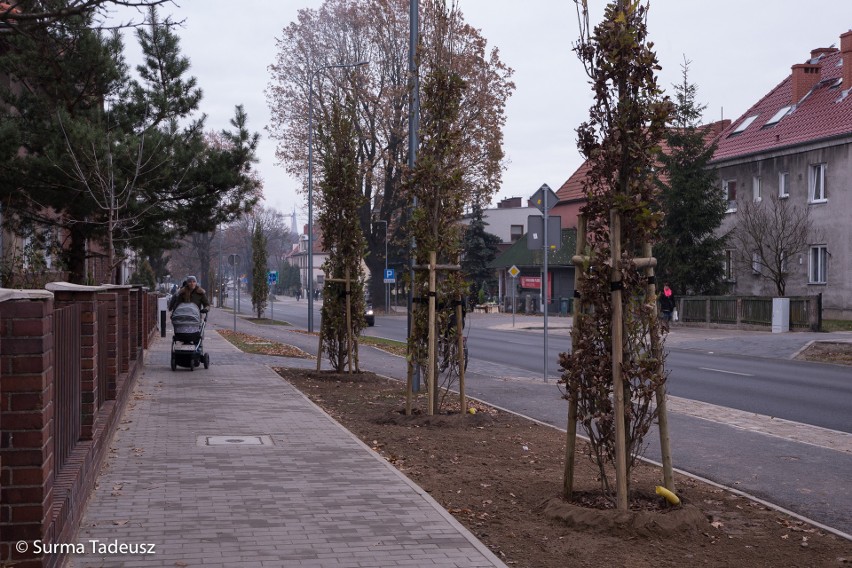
{"x": 727, "y": 372}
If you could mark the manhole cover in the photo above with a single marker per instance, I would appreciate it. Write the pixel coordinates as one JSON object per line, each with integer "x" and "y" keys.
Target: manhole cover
{"x": 234, "y": 440}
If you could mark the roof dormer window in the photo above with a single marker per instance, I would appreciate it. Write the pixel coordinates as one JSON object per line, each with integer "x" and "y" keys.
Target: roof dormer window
{"x": 744, "y": 124}
{"x": 778, "y": 116}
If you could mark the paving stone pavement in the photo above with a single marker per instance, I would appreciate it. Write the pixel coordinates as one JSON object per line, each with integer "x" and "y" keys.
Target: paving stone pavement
{"x": 288, "y": 486}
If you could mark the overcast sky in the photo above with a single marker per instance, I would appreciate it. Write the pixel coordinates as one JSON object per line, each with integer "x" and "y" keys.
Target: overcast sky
{"x": 739, "y": 50}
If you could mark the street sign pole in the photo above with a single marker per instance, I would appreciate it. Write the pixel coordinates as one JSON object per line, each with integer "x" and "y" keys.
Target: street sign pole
{"x": 543, "y": 199}
{"x": 544, "y": 281}
{"x": 513, "y": 272}
{"x": 514, "y": 287}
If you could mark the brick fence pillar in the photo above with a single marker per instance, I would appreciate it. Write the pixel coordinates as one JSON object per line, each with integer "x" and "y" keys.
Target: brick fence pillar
{"x": 26, "y": 421}
{"x": 122, "y": 325}
{"x": 110, "y": 328}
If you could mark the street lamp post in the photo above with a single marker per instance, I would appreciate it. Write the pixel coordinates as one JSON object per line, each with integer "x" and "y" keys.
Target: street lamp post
{"x": 387, "y": 286}
{"x": 311, "y": 184}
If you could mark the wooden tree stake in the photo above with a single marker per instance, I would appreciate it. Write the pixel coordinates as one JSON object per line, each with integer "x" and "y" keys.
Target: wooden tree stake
{"x": 460, "y": 355}
{"x": 571, "y": 430}
{"x": 662, "y": 412}
{"x": 430, "y": 381}
{"x": 617, "y": 356}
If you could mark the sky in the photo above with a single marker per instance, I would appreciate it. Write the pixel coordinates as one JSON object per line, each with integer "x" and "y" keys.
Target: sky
{"x": 738, "y": 51}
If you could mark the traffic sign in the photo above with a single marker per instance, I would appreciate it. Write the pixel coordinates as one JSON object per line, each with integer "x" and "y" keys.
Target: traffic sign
{"x": 390, "y": 276}
{"x": 544, "y": 198}
{"x": 535, "y": 232}
{"x": 272, "y": 276}
{"x": 514, "y": 271}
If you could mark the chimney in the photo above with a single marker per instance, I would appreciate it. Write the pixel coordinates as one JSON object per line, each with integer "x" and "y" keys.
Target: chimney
{"x": 805, "y": 76}
{"x": 846, "y": 54}
{"x": 820, "y": 51}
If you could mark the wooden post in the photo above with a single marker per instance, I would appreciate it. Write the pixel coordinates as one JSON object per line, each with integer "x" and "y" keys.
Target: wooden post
{"x": 432, "y": 392}
{"x": 571, "y": 430}
{"x": 461, "y": 357}
{"x": 348, "y": 321}
{"x": 657, "y": 353}
{"x": 319, "y": 349}
{"x": 617, "y": 356}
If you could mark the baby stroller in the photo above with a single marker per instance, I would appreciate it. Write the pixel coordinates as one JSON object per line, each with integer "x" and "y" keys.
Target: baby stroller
{"x": 188, "y": 340}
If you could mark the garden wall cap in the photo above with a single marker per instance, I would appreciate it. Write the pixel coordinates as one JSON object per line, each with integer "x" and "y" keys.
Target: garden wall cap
{"x": 16, "y": 294}
{"x": 116, "y": 286}
{"x": 69, "y": 287}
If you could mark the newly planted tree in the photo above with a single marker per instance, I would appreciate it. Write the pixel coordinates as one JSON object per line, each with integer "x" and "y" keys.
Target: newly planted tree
{"x": 338, "y": 204}
{"x": 615, "y": 367}
{"x": 437, "y": 183}
{"x": 259, "y": 263}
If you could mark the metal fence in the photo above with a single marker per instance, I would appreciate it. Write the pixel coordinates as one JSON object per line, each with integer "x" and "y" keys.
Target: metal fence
{"x": 67, "y": 384}
{"x": 103, "y": 352}
{"x": 805, "y": 311}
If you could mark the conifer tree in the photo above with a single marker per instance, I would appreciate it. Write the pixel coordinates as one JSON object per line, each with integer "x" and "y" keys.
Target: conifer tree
{"x": 479, "y": 248}
{"x": 690, "y": 251}
{"x": 260, "y": 286}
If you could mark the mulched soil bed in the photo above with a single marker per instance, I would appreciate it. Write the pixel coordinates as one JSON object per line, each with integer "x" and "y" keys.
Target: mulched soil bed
{"x": 501, "y": 476}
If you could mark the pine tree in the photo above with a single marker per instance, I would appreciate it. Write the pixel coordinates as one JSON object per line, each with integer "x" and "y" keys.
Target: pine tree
{"x": 690, "y": 251}
{"x": 479, "y": 248}
{"x": 260, "y": 286}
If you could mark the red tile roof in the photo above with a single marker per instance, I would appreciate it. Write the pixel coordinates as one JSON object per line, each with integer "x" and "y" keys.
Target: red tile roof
{"x": 572, "y": 189}
{"x": 824, "y": 113}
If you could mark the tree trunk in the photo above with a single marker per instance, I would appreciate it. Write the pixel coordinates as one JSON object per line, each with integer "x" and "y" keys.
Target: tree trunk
{"x": 75, "y": 256}
{"x": 376, "y": 264}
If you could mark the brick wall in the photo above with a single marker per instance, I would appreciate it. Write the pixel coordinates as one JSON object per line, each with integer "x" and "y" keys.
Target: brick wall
{"x": 36, "y": 501}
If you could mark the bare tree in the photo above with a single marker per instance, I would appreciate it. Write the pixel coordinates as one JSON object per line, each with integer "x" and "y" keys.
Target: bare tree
{"x": 18, "y": 15}
{"x": 349, "y": 31}
{"x": 768, "y": 233}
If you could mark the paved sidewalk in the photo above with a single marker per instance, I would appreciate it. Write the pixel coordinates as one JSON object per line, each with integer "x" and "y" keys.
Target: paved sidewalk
{"x": 232, "y": 466}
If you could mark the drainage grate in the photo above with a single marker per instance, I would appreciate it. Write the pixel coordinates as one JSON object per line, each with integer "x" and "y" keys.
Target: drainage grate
{"x": 235, "y": 440}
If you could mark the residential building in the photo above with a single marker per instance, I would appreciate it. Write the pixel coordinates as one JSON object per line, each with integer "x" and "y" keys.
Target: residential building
{"x": 796, "y": 143}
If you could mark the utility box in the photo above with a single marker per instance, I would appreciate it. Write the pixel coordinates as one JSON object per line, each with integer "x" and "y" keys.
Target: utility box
{"x": 780, "y": 315}
{"x": 162, "y": 308}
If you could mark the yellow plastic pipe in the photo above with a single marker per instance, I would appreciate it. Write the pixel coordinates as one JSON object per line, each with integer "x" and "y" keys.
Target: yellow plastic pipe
{"x": 668, "y": 495}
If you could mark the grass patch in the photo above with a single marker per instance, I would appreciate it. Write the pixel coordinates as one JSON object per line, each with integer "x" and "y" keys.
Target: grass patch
{"x": 267, "y": 321}
{"x": 395, "y": 347}
{"x": 836, "y": 325}
{"x": 262, "y": 346}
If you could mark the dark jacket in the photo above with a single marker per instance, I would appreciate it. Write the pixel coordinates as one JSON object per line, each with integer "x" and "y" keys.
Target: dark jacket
{"x": 667, "y": 303}
{"x": 197, "y": 297}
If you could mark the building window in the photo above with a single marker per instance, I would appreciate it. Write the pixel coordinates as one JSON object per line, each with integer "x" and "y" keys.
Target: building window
{"x": 783, "y": 187}
{"x": 755, "y": 188}
{"x": 817, "y": 192}
{"x": 818, "y": 270}
{"x": 729, "y": 188}
{"x": 785, "y": 267}
{"x": 755, "y": 262}
{"x": 517, "y": 231}
{"x": 728, "y": 266}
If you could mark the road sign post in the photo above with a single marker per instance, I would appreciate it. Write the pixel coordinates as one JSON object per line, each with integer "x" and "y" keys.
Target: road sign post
{"x": 272, "y": 280}
{"x": 390, "y": 278}
{"x": 513, "y": 272}
{"x": 234, "y": 261}
{"x": 544, "y": 199}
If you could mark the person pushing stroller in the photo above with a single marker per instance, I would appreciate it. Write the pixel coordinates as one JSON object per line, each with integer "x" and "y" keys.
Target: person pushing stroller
{"x": 187, "y": 307}
{"x": 190, "y": 291}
